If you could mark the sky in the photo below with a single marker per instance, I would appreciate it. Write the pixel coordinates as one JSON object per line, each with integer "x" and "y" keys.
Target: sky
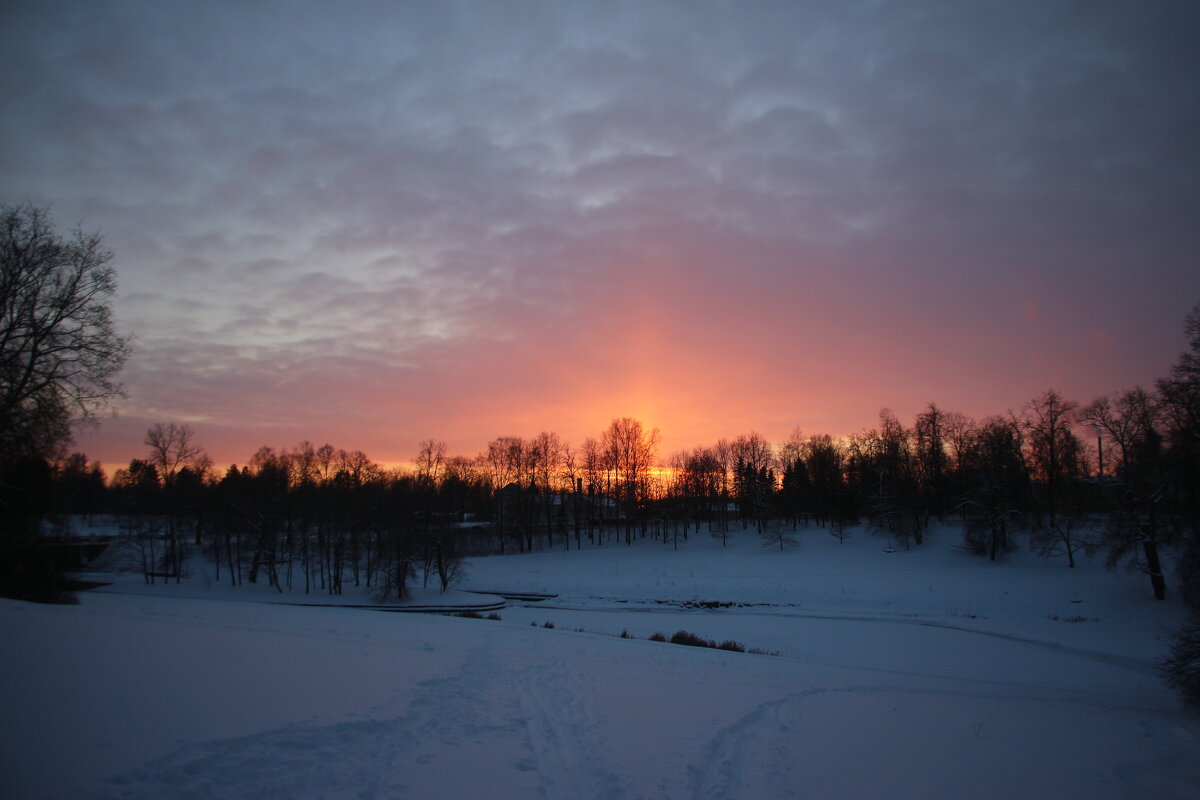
{"x": 372, "y": 224}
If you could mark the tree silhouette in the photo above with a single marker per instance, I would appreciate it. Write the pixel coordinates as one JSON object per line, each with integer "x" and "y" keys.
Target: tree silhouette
{"x": 59, "y": 350}
{"x": 59, "y": 357}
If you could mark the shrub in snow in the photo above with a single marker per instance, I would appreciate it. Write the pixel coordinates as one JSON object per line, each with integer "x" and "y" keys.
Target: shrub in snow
{"x": 691, "y": 639}
{"x": 1181, "y": 667}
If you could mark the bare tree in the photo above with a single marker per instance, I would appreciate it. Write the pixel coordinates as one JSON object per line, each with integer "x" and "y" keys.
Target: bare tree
{"x": 592, "y": 465}
{"x": 929, "y": 434}
{"x": 753, "y": 450}
{"x": 754, "y": 479}
{"x": 59, "y": 350}
{"x": 545, "y": 459}
{"x": 1180, "y": 393}
{"x": 1160, "y": 502}
{"x": 992, "y": 464}
{"x": 571, "y": 474}
{"x": 698, "y": 483}
{"x": 891, "y": 469}
{"x": 431, "y": 459}
{"x": 959, "y": 432}
{"x": 1123, "y": 419}
{"x": 171, "y": 447}
{"x": 723, "y": 463}
{"x": 1048, "y": 420}
{"x": 505, "y": 464}
{"x": 631, "y": 449}
{"x": 441, "y": 548}
{"x": 1180, "y": 407}
{"x": 325, "y": 460}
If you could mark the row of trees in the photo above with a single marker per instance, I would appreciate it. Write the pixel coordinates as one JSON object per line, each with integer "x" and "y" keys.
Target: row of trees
{"x": 323, "y": 516}
{"x": 318, "y": 517}
{"x": 1043, "y": 470}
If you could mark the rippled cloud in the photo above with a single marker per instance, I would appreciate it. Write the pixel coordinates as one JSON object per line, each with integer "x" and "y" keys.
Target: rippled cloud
{"x": 386, "y": 221}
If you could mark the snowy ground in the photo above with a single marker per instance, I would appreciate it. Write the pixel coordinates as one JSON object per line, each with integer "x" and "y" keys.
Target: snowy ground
{"x": 911, "y": 674}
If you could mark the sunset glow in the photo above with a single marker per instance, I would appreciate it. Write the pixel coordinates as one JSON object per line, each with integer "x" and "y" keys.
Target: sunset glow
{"x": 462, "y": 221}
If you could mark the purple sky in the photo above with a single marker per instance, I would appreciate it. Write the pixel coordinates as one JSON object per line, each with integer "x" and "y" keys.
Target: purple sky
{"x": 376, "y": 223}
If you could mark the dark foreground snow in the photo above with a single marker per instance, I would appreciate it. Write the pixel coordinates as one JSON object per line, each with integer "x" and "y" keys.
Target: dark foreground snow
{"x": 924, "y": 674}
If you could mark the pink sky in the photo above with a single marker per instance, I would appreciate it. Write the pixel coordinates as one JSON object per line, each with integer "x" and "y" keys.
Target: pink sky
{"x": 391, "y": 223}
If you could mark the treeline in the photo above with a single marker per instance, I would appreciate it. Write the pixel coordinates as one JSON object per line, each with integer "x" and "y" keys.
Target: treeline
{"x": 1118, "y": 474}
{"x": 320, "y": 519}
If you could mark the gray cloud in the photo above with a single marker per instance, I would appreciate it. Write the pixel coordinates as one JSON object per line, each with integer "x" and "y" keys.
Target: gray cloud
{"x": 393, "y": 189}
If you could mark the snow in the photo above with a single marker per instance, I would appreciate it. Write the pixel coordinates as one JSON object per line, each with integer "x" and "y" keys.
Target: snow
{"x": 922, "y": 673}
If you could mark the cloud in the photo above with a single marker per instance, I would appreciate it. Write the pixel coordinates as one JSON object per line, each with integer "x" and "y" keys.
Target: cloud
{"x": 399, "y": 221}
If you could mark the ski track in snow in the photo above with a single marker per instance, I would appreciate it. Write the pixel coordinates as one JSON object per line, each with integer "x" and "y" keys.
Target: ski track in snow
{"x": 532, "y": 718}
{"x": 733, "y": 763}
{"x": 527, "y": 719}
{"x": 561, "y": 725}
{"x": 513, "y": 712}
{"x": 1126, "y": 662}
{"x": 363, "y": 759}
{"x": 761, "y": 754}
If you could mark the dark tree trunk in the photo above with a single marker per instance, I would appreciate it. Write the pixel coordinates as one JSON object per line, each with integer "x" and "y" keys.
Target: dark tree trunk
{"x": 1154, "y": 567}
{"x": 441, "y": 566}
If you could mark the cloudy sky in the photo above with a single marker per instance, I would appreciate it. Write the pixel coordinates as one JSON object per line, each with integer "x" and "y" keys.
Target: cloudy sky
{"x": 375, "y": 223}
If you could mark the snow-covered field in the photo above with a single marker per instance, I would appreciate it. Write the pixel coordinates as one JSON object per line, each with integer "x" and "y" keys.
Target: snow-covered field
{"x": 923, "y": 673}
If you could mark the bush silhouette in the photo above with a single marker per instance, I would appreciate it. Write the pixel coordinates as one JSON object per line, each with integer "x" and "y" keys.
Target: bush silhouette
{"x": 691, "y": 639}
